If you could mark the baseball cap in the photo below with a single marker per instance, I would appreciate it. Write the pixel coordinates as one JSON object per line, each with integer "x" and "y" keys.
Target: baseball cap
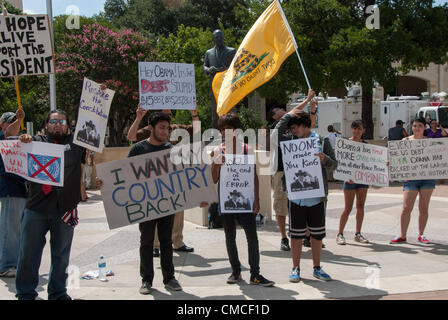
{"x": 399, "y": 122}
{"x": 9, "y": 117}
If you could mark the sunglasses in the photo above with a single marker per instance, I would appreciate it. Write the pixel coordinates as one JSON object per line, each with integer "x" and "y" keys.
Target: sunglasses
{"x": 62, "y": 122}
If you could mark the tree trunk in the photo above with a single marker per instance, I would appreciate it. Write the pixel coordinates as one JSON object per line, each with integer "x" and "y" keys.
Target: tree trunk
{"x": 367, "y": 117}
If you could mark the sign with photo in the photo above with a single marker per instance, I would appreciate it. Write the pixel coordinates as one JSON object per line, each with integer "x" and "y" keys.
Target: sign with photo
{"x": 92, "y": 117}
{"x": 418, "y": 159}
{"x": 303, "y": 170}
{"x": 165, "y": 85}
{"x": 36, "y": 161}
{"x": 236, "y": 184}
{"x": 25, "y": 45}
{"x": 361, "y": 162}
{"x": 150, "y": 186}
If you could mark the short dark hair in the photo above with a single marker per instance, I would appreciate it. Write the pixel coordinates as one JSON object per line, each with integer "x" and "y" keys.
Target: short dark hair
{"x": 357, "y": 123}
{"x": 421, "y": 120}
{"x": 59, "y": 111}
{"x": 303, "y": 119}
{"x": 275, "y": 110}
{"x": 157, "y": 117}
{"x": 330, "y": 128}
{"x": 229, "y": 119}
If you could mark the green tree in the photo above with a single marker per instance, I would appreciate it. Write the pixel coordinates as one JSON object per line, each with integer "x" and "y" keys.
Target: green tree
{"x": 338, "y": 49}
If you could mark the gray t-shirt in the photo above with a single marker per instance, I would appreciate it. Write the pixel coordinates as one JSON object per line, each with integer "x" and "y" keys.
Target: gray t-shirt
{"x": 396, "y": 133}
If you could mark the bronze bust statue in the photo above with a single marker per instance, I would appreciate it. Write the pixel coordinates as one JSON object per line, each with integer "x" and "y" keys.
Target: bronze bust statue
{"x": 217, "y": 59}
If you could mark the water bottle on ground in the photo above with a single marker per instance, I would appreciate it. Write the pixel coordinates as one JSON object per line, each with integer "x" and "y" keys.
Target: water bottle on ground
{"x": 102, "y": 269}
{"x": 209, "y": 220}
{"x": 258, "y": 219}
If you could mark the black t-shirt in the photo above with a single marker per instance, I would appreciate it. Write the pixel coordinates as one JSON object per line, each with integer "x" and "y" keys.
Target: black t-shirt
{"x": 144, "y": 147}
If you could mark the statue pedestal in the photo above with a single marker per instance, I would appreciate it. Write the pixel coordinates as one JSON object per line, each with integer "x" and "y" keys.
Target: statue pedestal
{"x": 257, "y": 104}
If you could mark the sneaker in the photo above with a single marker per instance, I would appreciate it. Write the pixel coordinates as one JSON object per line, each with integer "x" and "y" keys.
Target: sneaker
{"x": 398, "y": 240}
{"x": 294, "y": 276}
{"x": 156, "y": 252}
{"x": 284, "y": 245}
{"x": 146, "y": 288}
{"x": 320, "y": 274}
{"x": 10, "y": 273}
{"x": 260, "y": 280}
{"x": 173, "y": 284}
{"x": 234, "y": 278}
{"x": 307, "y": 242}
{"x": 340, "y": 239}
{"x": 423, "y": 239}
{"x": 360, "y": 238}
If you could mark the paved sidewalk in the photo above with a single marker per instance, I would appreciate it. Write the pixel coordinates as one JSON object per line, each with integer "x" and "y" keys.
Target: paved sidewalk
{"x": 360, "y": 271}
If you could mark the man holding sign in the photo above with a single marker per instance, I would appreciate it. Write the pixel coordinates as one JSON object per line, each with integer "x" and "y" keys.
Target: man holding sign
{"x": 305, "y": 213}
{"x": 238, "y": 209}
{"x": 50, "y": 208}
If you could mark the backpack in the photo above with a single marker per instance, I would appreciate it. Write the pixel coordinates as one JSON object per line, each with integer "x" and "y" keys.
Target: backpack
{"x": 214, "y": 221}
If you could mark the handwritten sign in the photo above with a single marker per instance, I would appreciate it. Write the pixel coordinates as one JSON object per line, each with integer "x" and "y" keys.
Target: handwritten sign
{"x": 92, "y": 117}
{"x": 166, "y": 85}
{"x": 25, "y": 46}
{"x": 236, "y": 184}
{"x": 418, "y": 159}
{"x": 303, "y": 171}
{"x": 362, "y": 163}
{"x": 36, "y": 161}
{"x": 150, "y": 186}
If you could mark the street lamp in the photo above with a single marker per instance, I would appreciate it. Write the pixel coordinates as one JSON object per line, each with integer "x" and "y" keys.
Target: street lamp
{"x": 52, "y": 76}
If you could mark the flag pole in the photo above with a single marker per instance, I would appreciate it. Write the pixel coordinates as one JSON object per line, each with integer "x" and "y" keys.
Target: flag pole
{"x": 16, "y": 79}
{"x": 294, "y": 42}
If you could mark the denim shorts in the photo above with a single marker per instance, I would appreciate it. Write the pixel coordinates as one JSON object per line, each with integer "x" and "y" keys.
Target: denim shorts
{"x": 416, "y": 185}
{"x": 354, "y": 186}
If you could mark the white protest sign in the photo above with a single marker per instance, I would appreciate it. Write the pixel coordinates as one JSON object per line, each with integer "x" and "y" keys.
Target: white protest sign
{"x": 25, "y": 46}
{"x": 150, "y": 186}
{"x": 418, "y": 159}
{"x": 92, "y": 117}
{"x": 362, "y": 163}
{"x": 36, "y": 161}
{"x": 236, "y": 184}
{"x": 165, "y": 85}
{"x": 303, "y": 170}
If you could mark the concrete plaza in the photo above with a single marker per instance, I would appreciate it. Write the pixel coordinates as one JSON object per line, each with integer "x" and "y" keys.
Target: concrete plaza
{"x": 360, "y": 271}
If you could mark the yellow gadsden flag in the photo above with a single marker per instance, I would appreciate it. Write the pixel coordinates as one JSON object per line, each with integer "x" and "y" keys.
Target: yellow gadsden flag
{"x": 267, "y": 44}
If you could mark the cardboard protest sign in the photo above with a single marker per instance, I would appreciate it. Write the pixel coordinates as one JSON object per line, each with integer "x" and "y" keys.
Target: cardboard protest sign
{"x": 418, "y": 159}
{"x": 92, "y": 117}
{"x": 362, "y": 163}
{"x": 303, "y": 170}
{"x": 150, "y": 186}
{"x": 236, "y": 184}
{"x": 36, "y": 161}
{"x": 165, "y": 85}
{"x": 25, "y": 45}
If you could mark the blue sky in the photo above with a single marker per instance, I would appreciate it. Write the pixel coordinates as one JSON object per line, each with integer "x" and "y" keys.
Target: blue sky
{"x": 86, "y": 7}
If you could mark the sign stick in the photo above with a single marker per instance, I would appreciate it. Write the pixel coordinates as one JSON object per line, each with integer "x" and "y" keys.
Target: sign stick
{"x": 19, "y": 102}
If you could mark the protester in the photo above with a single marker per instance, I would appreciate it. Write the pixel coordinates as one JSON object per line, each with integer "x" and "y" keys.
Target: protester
{"x": 352, "y": 190}
{"x": 178, "y": 224}
{"x": 397, "y": 132}
{"x": 435, "y": 130}
{"x": 332, "y": 135}
{"x": 246, "y": 220}
{"x": 12, "y": 201}
{"x": 412, "y": 188}
{"x": 307, "y": 213}
{"x": 279, "y": 196}
{"x": 52, "y": 209}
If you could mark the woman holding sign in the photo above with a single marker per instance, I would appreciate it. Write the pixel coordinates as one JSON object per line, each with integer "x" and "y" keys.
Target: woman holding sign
{"x": 412, "y": 188}
{"x": 352, "y": 190}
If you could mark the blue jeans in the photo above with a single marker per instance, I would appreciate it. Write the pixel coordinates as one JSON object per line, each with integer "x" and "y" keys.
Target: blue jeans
{"x": 35, "y": 226}
{"x": 10, "y": 215}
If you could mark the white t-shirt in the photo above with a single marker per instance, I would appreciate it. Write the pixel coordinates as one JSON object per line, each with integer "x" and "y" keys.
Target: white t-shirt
{"x": 332, "y": 137}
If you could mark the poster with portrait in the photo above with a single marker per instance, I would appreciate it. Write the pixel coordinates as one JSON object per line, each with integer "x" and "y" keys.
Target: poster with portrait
{"x": 303, "y": 171}
{"x": 236, "y": 184}
{"x": 93, "y": 115}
